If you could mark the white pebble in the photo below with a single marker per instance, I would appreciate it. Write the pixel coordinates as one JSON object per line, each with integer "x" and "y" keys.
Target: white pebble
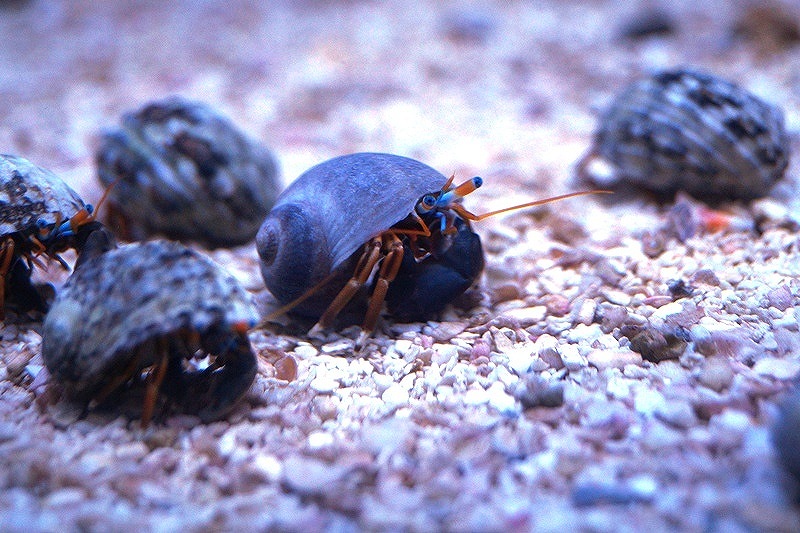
{"x": 226, "y": 443}
{"x": 644, "y": 485}
{"x": 520, "y": 359}
{"x": 305, "y": 351}
{"x": 403, "y": 347}
{"x": 617, "y": 297}
{"x": 268, "y": 465}
{"x": 476, "y": 396}
{"x": 395, "y": 396}
{"x": 324, "y": 385}
{"x": 732, "y": 419}
{"x": 647, "y": 401}
{"x": 341, "y": 345}
{"x": 526, "y": 316}
{"x": 777, "y": 368}
{"x": 319, "y": 439}
{"x": 584, "y": 333}
{"x": 586, "y": 312}
{"x": 667, "y": 310}
{"x": 444, "y": 354}
{"x": 305, "y": 475}
{"x": 500, "y": 400}
{"x": 572, "y": 358}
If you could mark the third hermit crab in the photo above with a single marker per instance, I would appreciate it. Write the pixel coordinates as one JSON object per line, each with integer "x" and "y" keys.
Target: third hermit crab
{"x": 40, "y": 215}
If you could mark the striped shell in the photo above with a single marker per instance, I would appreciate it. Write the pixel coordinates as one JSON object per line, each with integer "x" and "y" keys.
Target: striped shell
{"x": 30, "y": 195}
{"x": 118, "y": 306}
{"x": 690, "y": 131}
{"x": 181, "y": 170}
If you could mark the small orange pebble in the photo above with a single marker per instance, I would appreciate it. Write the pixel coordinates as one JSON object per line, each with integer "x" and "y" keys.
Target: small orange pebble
{"x": 286, "y": 368}
{"x": 713, "y": 220}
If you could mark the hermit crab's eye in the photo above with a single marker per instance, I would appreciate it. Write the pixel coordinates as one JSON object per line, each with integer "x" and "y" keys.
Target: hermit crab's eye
{"x": 428, "y": 202}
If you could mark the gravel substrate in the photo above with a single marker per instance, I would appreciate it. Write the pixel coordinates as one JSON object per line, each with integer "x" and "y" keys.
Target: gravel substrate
{"x": 619, "y": 367}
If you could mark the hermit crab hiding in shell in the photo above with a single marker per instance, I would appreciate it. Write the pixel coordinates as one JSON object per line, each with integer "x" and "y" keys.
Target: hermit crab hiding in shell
{"x": 185, "y": 172}
{"x": 348, "y": 217}
{"x": 690, "y": 131}
{"x": 158, "y": 310}
{"x": 40, "y": 215}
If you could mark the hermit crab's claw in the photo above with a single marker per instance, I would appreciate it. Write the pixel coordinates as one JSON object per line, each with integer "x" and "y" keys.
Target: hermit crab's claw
{"x": 229, "y": 380}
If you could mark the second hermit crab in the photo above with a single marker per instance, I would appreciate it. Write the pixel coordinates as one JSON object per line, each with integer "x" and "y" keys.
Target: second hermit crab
{"x": 155, "y": 313}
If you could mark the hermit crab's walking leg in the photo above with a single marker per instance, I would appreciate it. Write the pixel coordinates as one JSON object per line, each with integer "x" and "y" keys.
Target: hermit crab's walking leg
{"x": 366, "y": 263}
{"x": 6, "y": 258}
{"x": 115, "y": 382}
{"x": 154, "y": 381}
{"x": 389, "y": 268}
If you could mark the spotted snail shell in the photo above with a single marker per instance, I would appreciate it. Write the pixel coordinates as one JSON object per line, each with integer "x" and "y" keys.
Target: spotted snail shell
{"x": 690, "y": 131}
{"x": 181, "y": 170}
{"x": 122, "y": 308}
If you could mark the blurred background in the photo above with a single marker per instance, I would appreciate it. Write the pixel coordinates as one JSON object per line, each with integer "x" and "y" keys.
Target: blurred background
{"x": 509, "y": 90}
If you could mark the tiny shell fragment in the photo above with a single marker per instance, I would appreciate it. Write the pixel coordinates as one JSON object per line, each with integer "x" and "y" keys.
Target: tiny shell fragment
{"x": 120, "y": 309}
{"x": 690, "y": 131}
{"x": 181, "y": 170}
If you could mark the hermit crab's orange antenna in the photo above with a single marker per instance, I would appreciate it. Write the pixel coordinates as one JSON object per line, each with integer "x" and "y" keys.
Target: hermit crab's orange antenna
{"x": 449, "y": 200}
{"x": 470, "y": 216}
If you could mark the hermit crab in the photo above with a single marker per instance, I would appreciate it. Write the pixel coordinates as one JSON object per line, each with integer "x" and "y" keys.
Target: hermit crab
{"x": 361, "y": 229}
{"x": 40, "y": 215}
{"x": 689, "y": 131}
{"x": 154, "y": 312}
{"x": 185, "y": 172}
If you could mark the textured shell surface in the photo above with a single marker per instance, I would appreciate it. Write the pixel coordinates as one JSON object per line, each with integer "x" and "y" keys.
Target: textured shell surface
{"x": 119, "y": 300}
{"x": 330, "y": 212}
{"x": 181, "y": 170}
{"x": 361, "y": 195}
{"x": 691, "y": 131}
{"x": 29, "y": 194}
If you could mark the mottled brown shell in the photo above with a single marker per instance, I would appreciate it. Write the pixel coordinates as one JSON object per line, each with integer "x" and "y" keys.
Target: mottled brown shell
{"x": 31, "y": 195}
{"x": 690, "y": 131}
{"x": 181, "y": 170}
{"x": 117, "y": 307}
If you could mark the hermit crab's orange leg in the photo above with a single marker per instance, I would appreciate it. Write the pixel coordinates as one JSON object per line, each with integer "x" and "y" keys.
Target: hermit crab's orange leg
{"x": 6, "y": 258}
{"x": 366, "y": 263}
{"x": 154, "y": 381}
{"x": 116, "y": 381}
{"x": 389, "y": 268}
